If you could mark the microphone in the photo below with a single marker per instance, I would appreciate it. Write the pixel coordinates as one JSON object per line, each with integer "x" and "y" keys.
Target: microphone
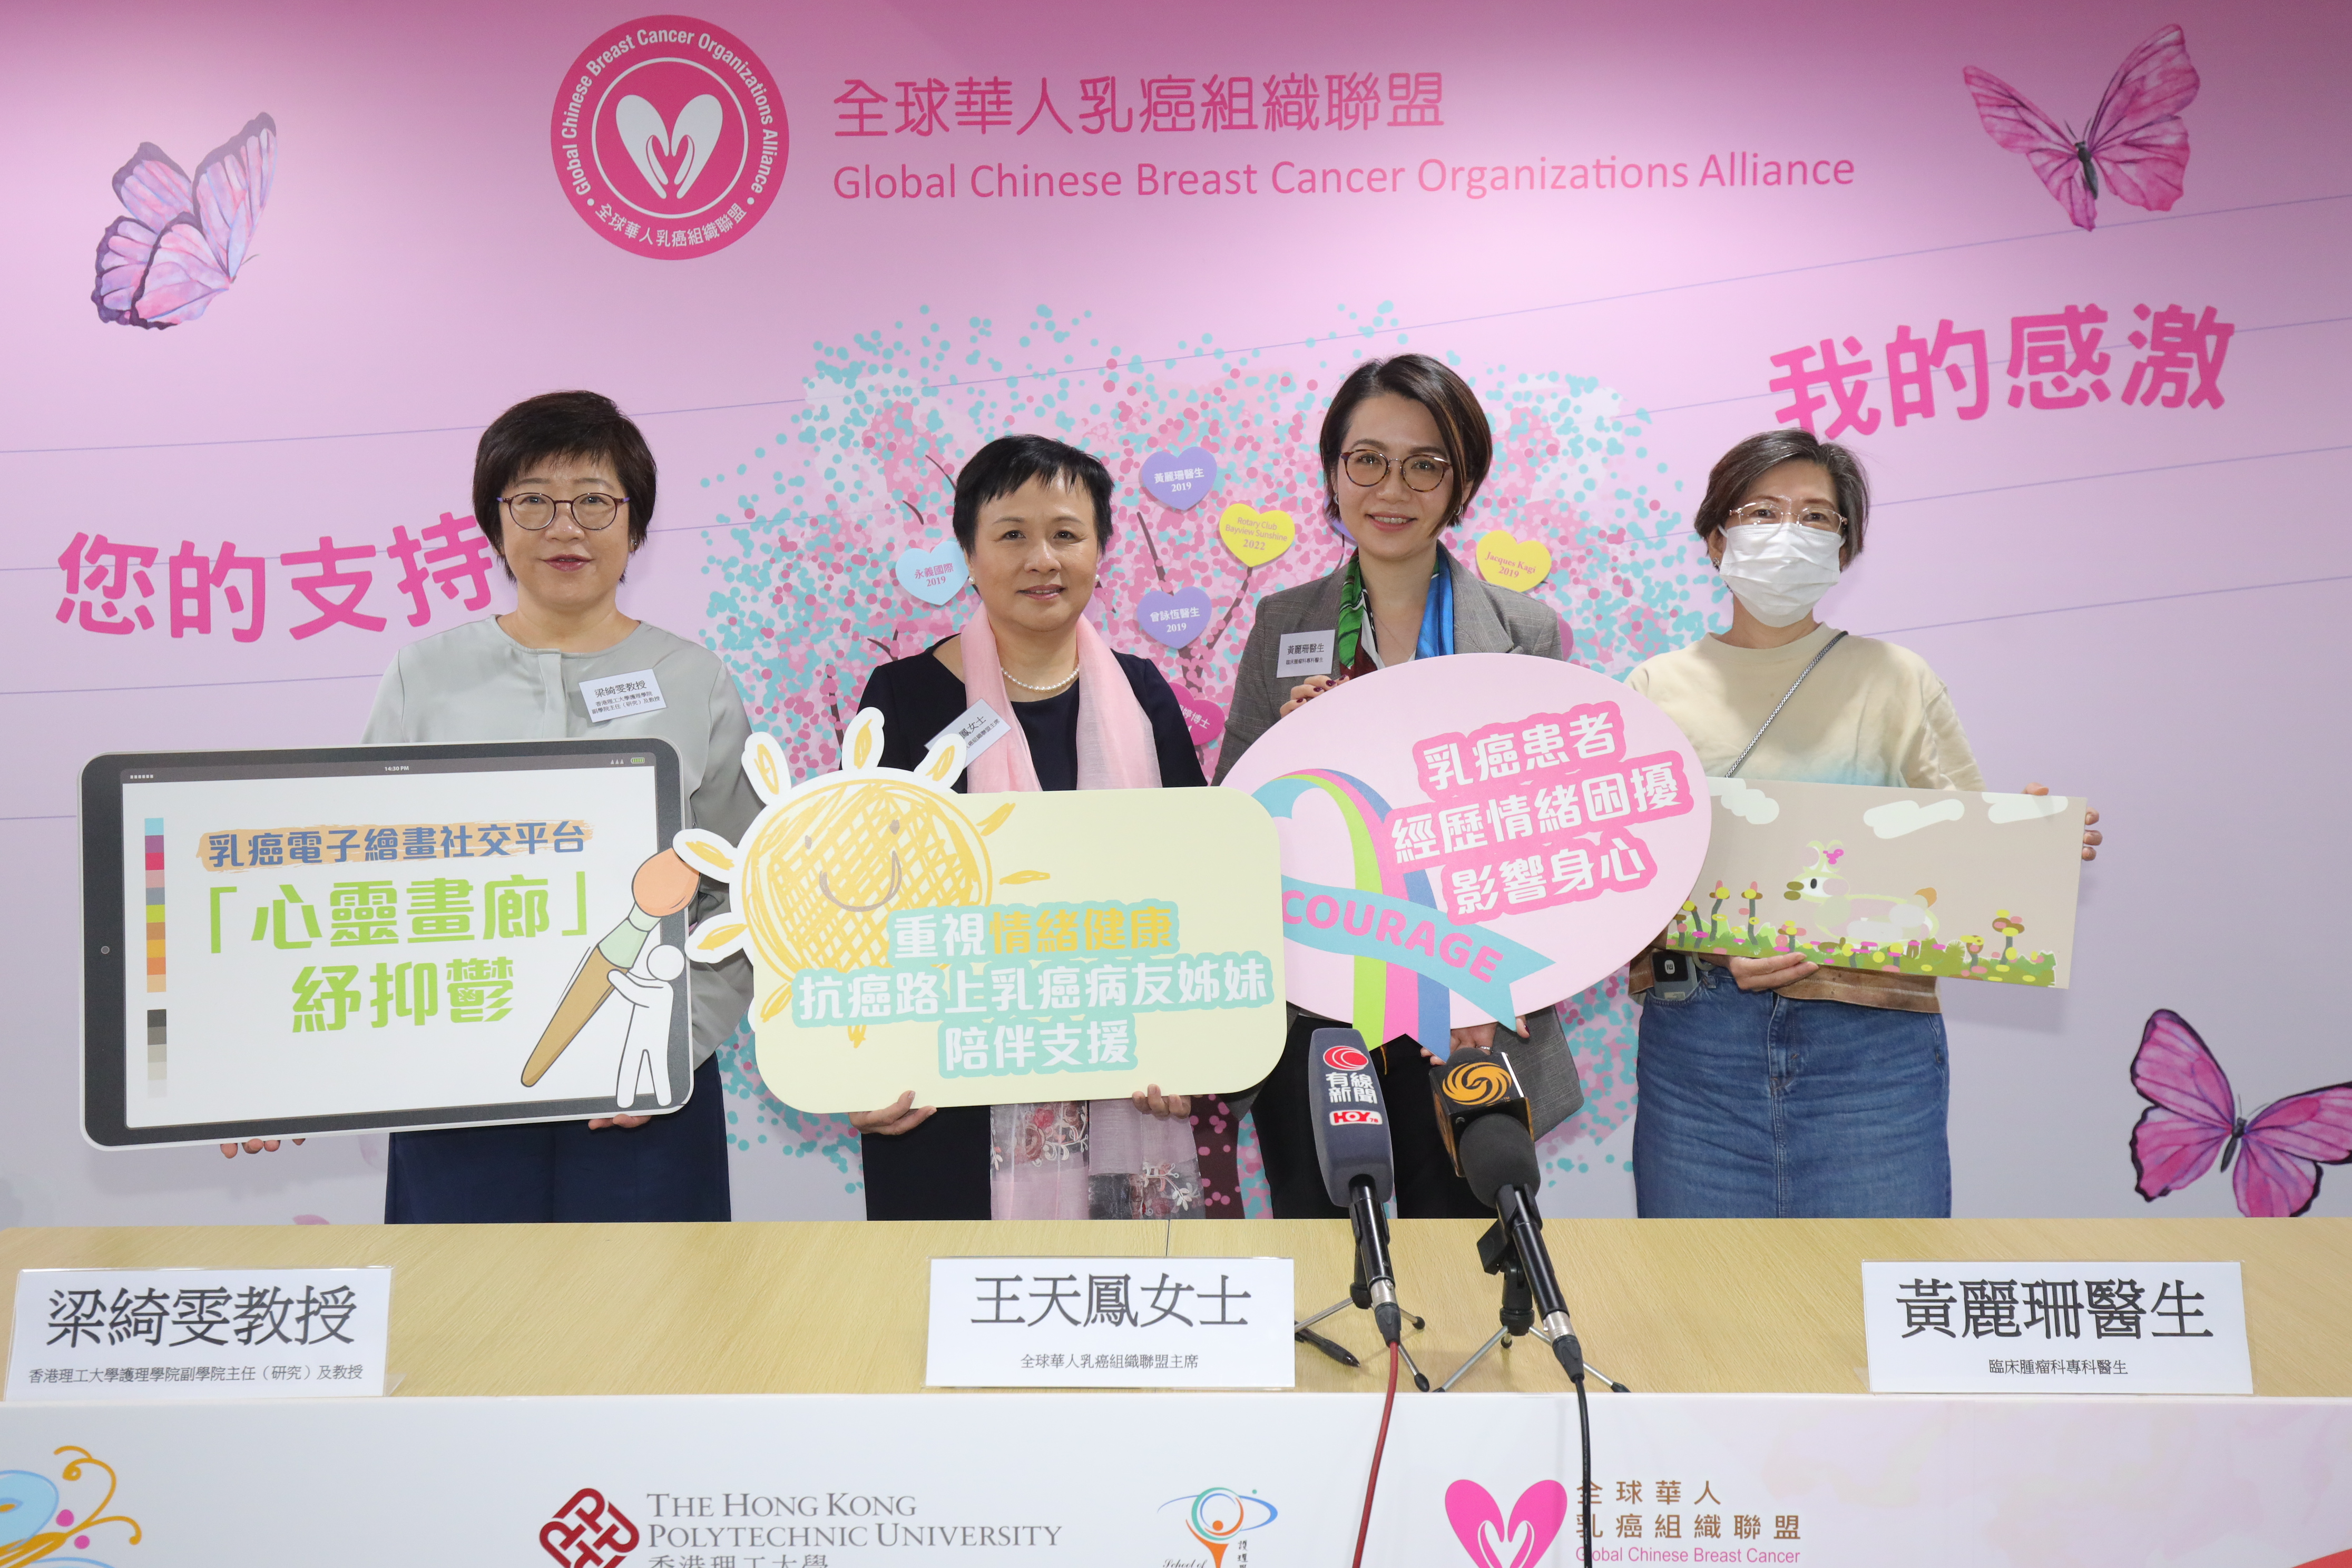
{"x": 1477, "y": 1081}
{"x": 1498, "y": 1160}
{"x": 1490, "y": 1132}
{"x": 1351, "y": 1148}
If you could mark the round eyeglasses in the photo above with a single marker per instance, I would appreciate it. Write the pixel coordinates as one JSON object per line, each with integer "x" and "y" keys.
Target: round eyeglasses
{"x": 591, "y": 511}
{"x": 1820, "y": 517}
{"x": 1367, "y": 468}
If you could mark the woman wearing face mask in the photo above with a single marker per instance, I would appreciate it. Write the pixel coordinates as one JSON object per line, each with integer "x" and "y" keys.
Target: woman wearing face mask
{"x": 1405, "y": 446}
{"x": 1033, "y": 516}
{"x": 1773, "y": 1086}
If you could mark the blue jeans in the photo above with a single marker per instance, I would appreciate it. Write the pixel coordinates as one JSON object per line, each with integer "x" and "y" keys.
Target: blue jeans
{"x": 1754, "y": 1105}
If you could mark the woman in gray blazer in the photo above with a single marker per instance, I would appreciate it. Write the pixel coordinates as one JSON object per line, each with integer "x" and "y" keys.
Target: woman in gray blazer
{"x": 1405, "y": 446}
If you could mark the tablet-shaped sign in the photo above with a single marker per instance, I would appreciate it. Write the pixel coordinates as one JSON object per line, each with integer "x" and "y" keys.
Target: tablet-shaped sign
{"x": 285, "y": 942}
{"x": 1473, "y": 837}
{"x": 988, "y": 948}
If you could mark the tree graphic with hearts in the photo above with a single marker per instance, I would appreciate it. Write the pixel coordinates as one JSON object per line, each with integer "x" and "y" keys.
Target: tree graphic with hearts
{"x": 807, "y": 597}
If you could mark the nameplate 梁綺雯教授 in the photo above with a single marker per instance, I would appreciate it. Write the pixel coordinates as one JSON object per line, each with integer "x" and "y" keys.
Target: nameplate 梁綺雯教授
{"x": 147, "y": 1334}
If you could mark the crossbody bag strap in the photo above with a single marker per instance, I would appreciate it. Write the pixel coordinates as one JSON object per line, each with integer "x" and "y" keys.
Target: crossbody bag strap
{"x": 1733, "y": 771}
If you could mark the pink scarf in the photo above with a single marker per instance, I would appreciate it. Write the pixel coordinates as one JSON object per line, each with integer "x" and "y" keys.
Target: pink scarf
{"x": 1116, "y": 750}
{"x": 1078, "y": 1160}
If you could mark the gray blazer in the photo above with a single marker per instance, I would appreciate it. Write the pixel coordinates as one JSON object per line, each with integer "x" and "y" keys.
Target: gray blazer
{"x": 1487, "y": 619}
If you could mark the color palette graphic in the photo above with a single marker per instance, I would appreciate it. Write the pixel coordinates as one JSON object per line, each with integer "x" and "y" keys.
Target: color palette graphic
{"x": 154, "y": 903}
{"x": 157, "y": 1060}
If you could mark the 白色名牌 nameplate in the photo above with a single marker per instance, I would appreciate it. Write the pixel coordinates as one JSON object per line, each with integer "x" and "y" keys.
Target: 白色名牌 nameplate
{"x": 1110, "y": 1322}
{"x": 2055, "y": 1328}
{"x": 146, "y": 1335}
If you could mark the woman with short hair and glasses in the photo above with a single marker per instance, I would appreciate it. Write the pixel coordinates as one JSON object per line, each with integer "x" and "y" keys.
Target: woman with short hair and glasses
{"x": 563, "y": 486}
{"x": 1033, "y": 517}
{"x": 1404, "y": 448}
{"x": 1773, "y": 1086}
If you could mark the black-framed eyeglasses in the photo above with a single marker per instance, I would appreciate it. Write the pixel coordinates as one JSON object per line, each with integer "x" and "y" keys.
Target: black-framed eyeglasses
{"x": 591, "y": 511}
{"x": 1423, "y": 472}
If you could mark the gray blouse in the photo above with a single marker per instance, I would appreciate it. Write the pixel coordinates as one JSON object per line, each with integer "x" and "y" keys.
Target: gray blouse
{"x": 474, "y": 682}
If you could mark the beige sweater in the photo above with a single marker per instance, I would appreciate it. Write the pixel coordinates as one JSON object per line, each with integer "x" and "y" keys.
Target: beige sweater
{"x": 1869, "y": 713}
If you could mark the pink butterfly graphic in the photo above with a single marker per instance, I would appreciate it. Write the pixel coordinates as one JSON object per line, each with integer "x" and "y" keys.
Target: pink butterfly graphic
{"x": 2135, "y": 139}
{"x": 185, "y": 239}
{"x": 2279, "y": 1149}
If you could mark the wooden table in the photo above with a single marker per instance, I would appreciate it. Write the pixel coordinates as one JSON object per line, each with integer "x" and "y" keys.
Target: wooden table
{"x": 1682, "y": 1306}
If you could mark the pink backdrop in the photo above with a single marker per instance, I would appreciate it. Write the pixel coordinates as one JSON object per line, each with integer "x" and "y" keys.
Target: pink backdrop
{"x": 2129, "y": 601}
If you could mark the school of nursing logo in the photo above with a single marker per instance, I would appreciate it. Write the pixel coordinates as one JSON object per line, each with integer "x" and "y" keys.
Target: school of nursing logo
{"x": 669, "y": 137}
{"x": 1219, "y": 1517}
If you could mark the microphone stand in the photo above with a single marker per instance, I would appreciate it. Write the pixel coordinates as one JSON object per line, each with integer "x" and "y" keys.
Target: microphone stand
{"x": 1371, "y": 1291}
{"x": 1498, "y": 1251}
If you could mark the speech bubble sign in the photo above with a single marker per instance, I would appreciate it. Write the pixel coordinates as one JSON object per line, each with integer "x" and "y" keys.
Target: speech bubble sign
{"x": 1256, "y": 537}
{"x": 1178, "y": 480}
{"x": 935, "y": 575}
{"x": 1467, "y": 836}
{"x": 1174, "y": 618}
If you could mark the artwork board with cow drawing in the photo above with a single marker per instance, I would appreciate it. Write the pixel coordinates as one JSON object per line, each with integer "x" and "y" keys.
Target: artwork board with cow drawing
{"x": 1964, "y": 884}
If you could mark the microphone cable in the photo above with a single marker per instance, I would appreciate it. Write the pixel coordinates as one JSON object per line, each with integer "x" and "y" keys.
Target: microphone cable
{"x": 1584, "y": 1494}
{"x": 1373, "y": 1481}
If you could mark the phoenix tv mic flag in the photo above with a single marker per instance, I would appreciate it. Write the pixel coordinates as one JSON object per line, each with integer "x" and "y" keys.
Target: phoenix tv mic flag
{"x": 1483, "y": 1114}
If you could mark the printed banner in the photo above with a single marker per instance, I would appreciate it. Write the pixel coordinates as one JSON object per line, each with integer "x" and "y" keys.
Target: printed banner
{"x": 986, "y": 949}
{"x": 1247, "y": 1480}
{"x": 2067, "y": 278}
{"x": 1892, "y": 881}
{"x": 1472, "y": 838}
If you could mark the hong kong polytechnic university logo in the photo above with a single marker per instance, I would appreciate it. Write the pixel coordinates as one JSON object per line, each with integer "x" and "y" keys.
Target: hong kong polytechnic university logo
{"x": 589, "y": 1533}
{"x": 669, "y": 137}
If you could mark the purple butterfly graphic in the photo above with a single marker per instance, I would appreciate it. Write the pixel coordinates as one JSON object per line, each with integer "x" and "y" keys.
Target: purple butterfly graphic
{"x": 185, "y": 239}
{"x": 2194, "y": 1117}
{"x": 2135, "y": 139}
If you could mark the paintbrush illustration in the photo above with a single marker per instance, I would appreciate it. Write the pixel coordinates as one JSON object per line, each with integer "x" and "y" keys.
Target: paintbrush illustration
{"x": 663, "y": 886}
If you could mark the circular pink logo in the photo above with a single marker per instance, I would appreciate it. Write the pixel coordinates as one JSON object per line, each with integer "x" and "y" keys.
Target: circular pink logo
{"x": 1346, "y": 1059}
{"x": 669, "y": 137}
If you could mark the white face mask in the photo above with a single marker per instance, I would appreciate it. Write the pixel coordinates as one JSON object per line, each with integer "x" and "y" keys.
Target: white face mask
{"x": 1779, "y": 570}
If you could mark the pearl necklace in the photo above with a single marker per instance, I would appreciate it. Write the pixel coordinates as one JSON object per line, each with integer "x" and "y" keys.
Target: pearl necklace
{"x": 1024, "y": 686}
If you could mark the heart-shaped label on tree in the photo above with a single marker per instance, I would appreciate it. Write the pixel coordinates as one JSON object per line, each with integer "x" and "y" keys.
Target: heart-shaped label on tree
{"x": 933, "y": 575}
{"x": 1174, "y": 618}
{"x": 1178, "y": 480}
{"x": 1256, "y": 537}
{"x": 1509, "y": 562}
{"x": 1204, "y": 718}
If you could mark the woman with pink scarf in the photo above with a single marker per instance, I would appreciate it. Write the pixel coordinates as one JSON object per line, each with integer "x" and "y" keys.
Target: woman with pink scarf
{"x": 1033, "y": 516}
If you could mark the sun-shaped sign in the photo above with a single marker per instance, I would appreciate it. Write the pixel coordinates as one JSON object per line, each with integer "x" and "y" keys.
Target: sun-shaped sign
{"x": 900, "y": 940}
